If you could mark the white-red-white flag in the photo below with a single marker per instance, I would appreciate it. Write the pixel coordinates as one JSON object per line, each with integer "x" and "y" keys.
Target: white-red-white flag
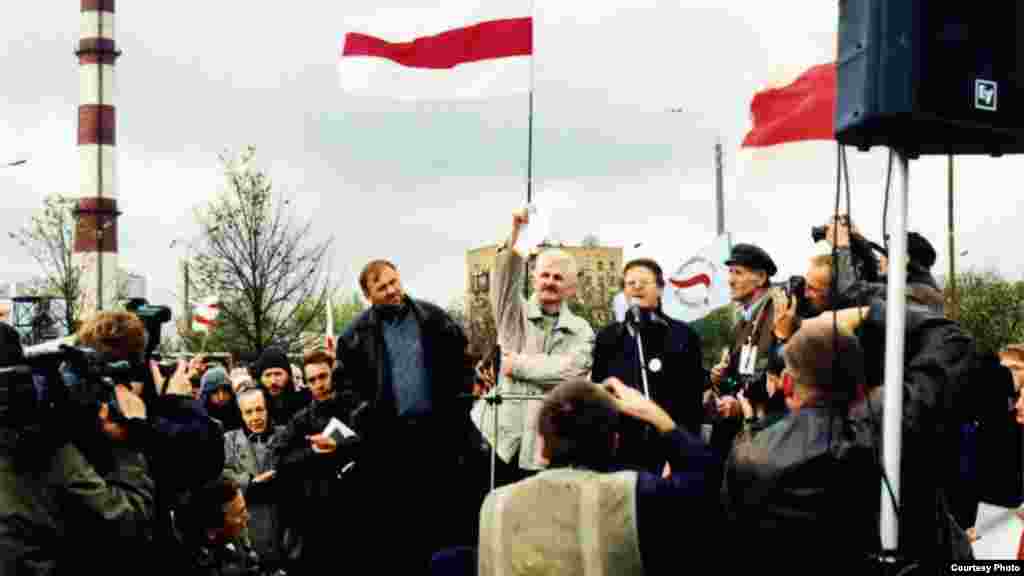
{"x": 464, "y": 50}
{"x": 329, "y": 333}
{"x": 204, "y": 317}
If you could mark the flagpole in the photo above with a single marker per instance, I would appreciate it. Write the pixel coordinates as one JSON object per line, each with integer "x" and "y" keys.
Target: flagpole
{"x": 529, "y": 146}
{"x": 529, "y": 129}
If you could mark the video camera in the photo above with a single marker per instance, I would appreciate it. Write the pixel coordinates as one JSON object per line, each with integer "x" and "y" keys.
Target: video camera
{"x": 87, "y": 377}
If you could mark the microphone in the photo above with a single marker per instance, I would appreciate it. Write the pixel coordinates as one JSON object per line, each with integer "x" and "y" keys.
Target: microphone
{"x": 636, "y": 316}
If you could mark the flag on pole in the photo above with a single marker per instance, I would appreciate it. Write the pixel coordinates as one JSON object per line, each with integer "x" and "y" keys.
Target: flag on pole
{"x": 329, "y": 335}
{"x": 204, "y": 317}
{"x": 483, "y": 50}
{"x": 801, "y": 110}
{"x": 699, "y": 284}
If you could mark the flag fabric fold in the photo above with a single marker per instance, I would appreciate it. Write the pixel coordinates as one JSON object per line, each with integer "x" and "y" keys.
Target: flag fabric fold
{"x": 801, "y": 110}
{"x": 479, "y": 52}
{"x": 204, "y": 317}
{"x": 329, "y": 332}
{"x": 484, "y": 41}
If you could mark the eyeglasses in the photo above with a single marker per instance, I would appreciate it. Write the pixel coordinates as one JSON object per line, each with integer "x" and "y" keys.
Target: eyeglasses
{"x": 638, "y": 284}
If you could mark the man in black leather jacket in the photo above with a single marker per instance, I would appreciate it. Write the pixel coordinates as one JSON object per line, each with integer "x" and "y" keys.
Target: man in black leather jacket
{"x": 314, "y": 458}
{"x": 810, "y": 479}
{"x": 402, "y": 362}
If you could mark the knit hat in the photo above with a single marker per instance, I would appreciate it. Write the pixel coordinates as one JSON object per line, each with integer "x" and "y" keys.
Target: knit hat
{"x": 272, "y": 358}
{"x": 214, "y": 379}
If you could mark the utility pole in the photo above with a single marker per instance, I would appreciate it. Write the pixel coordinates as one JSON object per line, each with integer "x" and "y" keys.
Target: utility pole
{"x": 719, "y": 190}
{"x": 954, "y": 299}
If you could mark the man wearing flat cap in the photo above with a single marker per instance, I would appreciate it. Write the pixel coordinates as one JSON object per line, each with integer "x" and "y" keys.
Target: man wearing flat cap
{"x": 750, "y": 273}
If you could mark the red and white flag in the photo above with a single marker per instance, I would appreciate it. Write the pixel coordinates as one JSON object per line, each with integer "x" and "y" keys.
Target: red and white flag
{"x": 329, "y": 328}
{"x": 478, "y": 50}
{"x": 204, "y": 317}
{"x": 801, "y": 110}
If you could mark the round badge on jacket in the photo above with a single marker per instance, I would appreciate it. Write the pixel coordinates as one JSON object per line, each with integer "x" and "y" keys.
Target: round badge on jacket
{"x": 655, "y": 364}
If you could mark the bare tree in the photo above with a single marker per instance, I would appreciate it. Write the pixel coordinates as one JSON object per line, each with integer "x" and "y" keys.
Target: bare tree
{"x": 49, "y": 239}
{"x": 268, "y": 273}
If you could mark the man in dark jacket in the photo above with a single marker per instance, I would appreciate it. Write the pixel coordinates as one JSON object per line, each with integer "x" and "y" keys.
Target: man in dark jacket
{"x": 937, "y": 401}
{"x": 671, "y": 373}
{"x": 810, "y": 480}
{"x": 316, "y": 453}
{"x": 853, "y": 288}
{"x": 183, "y": 445}
{"x": 401, "y": 361}
{"x": 275, "y": 372}
{"x": 55, "y": 504}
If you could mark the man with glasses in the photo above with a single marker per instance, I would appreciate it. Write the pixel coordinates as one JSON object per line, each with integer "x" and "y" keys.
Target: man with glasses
{"x": 817, "y": 293}
{"x": 664, "y": 365}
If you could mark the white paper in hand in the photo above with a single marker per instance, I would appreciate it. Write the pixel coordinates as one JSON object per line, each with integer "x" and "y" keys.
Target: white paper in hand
{"x": 999, "y": 533}
{"x": 339, "y": 426}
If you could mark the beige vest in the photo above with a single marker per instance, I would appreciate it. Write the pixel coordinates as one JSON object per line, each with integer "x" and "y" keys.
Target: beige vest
{"x": 562, "y": 522}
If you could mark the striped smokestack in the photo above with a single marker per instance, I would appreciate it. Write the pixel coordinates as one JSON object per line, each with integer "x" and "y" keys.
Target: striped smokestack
{"x": 95, "y": 249}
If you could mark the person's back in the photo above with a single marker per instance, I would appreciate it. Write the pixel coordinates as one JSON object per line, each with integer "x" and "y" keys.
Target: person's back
{"x": 811, "y": 479}
{"x": 799, "y": 482}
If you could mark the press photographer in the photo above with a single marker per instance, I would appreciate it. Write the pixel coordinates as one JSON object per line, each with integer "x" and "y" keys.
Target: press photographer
{"x": 56, "y": 504}
{"x": 858, "y": 272}
{"x": 184, "y": 446}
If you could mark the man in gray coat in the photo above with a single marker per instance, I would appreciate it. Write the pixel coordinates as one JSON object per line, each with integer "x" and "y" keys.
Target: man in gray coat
{"x": 250, "y": 461}
{"x": 543, "y": 344}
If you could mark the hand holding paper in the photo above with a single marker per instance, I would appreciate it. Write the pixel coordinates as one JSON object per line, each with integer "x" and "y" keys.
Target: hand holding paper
{"x": 322, "y": 444}
{"x": 326, "y": 442}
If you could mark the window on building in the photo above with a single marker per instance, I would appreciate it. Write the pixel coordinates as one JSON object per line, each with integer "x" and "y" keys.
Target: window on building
{"x": 483, "y": 283}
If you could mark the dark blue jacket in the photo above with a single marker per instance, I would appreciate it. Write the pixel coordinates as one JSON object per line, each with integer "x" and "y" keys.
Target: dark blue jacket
{"x": 675, "y": 374}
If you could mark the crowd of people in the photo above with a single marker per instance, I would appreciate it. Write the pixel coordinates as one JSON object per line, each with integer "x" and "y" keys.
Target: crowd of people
{"x": 615, "y": 451}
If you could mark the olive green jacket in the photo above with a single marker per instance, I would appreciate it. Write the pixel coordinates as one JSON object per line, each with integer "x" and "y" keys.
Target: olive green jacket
{"x": 55, "y": 517}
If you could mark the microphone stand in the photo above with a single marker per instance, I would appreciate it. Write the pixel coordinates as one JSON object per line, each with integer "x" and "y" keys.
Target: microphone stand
{"x": 495, "y": 398}
{"x": 643, "y": 363}
{"x": 635, "y": 328}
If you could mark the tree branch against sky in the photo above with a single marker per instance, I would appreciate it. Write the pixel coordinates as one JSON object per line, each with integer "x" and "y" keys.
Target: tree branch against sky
{"x": 270, "y": 276}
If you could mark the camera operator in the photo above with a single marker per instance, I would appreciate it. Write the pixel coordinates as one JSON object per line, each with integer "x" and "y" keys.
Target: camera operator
{"x": 184, "y": 446}
{"x": 55, "y": 504}
{"x": 856, "y": 269}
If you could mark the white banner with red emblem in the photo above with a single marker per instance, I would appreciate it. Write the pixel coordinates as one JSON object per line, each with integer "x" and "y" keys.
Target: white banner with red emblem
{"x": 698, "y": 284}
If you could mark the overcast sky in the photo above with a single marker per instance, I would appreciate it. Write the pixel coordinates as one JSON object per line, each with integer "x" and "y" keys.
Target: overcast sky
{"x": 422, "y": 183}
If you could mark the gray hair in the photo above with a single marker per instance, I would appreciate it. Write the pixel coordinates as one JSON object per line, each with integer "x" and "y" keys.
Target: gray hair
{"x": 563, "y": 260}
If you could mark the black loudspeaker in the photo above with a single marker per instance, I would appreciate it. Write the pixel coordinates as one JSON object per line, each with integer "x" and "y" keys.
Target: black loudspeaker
{"x": 931, "y": 77}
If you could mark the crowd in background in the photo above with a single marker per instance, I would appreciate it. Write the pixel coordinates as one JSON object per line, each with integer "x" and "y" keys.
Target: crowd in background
{"x": 615, "y": 448}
